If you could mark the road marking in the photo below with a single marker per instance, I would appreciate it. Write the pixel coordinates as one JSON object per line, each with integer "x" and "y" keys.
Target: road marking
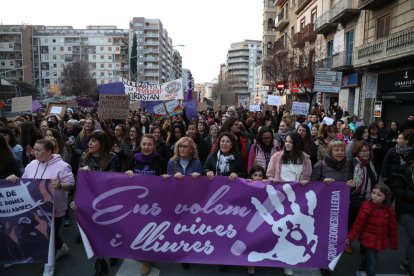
{"x": 131, "y": 267}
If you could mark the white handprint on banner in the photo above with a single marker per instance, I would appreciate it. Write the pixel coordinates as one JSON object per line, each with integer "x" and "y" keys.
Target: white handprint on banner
{"x": 295, "y": 232}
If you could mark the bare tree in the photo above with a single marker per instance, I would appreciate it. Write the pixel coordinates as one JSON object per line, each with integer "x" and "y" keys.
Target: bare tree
{"x": 76, "y": 80}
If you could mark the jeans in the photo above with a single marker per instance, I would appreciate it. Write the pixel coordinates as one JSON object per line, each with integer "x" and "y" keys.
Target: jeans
{"x": 407, "y": 221}
{"x": 369, "y": 261}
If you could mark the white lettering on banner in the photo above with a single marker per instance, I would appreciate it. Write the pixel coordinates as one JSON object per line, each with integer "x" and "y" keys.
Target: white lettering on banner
{"x": 150, "y": 236}
{"x": 145, "y": 209}
{"x": 213, "y": 206}
{"x": 204, "y": 229}
{"x": 333, "y": 225}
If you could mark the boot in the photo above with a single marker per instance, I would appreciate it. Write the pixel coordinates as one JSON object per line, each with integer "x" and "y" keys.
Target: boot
{"x": 100, "y": 267}
{"x": 146, "y": 268}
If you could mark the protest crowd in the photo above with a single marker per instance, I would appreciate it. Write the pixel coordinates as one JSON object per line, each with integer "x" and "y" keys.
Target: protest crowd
{"x": 376, "y": 162}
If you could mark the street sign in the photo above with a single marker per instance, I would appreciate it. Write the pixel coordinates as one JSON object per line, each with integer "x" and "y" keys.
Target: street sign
{"x": 327, "y": 81}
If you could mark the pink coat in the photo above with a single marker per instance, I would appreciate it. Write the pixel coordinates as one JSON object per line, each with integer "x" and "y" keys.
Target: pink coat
{"x": 275, "y": 165}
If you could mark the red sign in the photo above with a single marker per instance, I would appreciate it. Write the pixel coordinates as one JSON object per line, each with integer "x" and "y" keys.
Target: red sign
{"x": 294, "y": 88}
{"x": 280, "y": 85}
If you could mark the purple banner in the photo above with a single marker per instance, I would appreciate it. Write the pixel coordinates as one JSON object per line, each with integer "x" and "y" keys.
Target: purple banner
{"x": 213, "y": 222}
{"x": 115, "y": 88}
{"x": 26, "y": 210}
{"x": 85, "y": 102}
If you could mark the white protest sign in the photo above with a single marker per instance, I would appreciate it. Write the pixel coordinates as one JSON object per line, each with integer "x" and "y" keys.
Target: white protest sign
{"x": 21, "y": 104}
{"x": 254, "y": 107}
{"x": 274, "y": 100}
{"x": 300, "y": 108}
{"x": 327, "y": 121}
{"x": 16, "y": 200}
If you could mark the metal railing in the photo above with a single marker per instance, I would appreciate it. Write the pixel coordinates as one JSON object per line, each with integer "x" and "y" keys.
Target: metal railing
{"x": 323, "y": 19}
{"x": 343, "y": 59}
{"x": 380, "y": 48}
{"x": 342, "y": 5}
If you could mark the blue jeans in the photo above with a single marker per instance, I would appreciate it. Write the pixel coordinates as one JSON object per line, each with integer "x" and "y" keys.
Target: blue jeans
{"x": 369, "y": 261}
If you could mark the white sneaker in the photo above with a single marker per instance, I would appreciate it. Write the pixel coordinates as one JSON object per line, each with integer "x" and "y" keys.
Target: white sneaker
{"x": 63, "y": 251}
{"x": 288, "y": 271}
{"x": 48, "y": 270}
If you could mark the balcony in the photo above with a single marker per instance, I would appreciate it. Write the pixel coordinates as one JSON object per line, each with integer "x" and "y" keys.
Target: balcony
{"x": 344, "y": 11}
{"x": 343, "y": 61}
{"x": 396, "y": 46}
{"x": 281, "y": 22}
{"x": 308, "y": 33}
{"x": 325, "y": 63}
{"x": 372, "y": 4}
{"x": 297, "y": 40}
{"x": 322, "y": 24}
{"x": 279, "y": 47}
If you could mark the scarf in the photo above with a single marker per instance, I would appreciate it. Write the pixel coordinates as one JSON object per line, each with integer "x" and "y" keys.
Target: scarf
{"x": 146, "y": 159}
{"x": 364, "y": 177}
{"x": 403, "y": 152}
{"x": 337, "y": 165}
{"x": 223, "y": 163}
{"x": 283, "y": 135}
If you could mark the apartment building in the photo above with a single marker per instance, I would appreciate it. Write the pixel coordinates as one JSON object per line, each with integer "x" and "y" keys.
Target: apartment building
{"x": 384, "y": 54}
{"x": 242, "y": 59}
{"x": 177, "y": 65}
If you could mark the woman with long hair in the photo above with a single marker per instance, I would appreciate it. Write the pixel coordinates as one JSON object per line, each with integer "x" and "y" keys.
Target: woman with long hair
{"x": 290, "y": 164}
{"x": 28, "y": 137}
{"x": 345, "y": 134}
{"x": 320, "y": 145}
{"x": 130, "y": 145}
{"x": 264, "y": 148}
{"x": 305, "y": 133}
{"x": 16, "y": 149}
{"x": 8, "y": 164}
{"x": 361, "y": 133}
{"x": 225, "y": 161}
{"x": 234, "y": 126}
{"x": 62, "y": 150}
{"x": 82, "y": 141}
{"x": 284, "y": 129}
{"x": 202, "y": 147}
{"x": 98, "y": 157}
{"x": 161, "y": 145}
{"x": 211, "y": 139}
{"x": 177, "y": 130}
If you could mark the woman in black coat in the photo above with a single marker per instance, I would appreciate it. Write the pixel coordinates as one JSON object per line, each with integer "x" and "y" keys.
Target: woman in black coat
{"x": 8, "y": 164}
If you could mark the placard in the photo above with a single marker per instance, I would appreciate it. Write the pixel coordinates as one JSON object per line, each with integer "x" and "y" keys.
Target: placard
{"x": 56, "y": 109}
{"x": 274, "y": 100}
{"x": 299, "y": 108}
{"x": 327, "y": 121}
{"x": 113, "y": 106}
{"x": 21, "y": 104}
{"x": 254, "y": 107}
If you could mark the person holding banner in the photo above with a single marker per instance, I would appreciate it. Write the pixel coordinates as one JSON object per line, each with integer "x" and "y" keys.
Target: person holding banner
{"x": 147, "y": 162}
{"x": 290, "y": 164}
{"x": 51, "y": 166}
{"x": 264, "y": 148}
{"x": 185, "y": 161}
{"x": 225, "y": 161}
{"x": 99, "y": 157}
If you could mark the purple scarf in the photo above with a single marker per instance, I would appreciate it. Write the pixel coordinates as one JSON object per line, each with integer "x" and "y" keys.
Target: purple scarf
{"x": 146, "y": 159}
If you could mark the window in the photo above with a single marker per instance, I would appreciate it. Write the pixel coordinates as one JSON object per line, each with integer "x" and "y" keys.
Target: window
{"x": 102, "y": 57}
{"x": 110, "y": 49}
{"x": 329, "y": 48}
{"x": 54, "y": 48}
{"x": 54, "y": 57}
{"x": 93, "y": 56}
{"x": 302, "y": 24}
{"x": 102, "y": 65}
{"x": 62, "y": 49}
{"x": 69, "y": 48}
{"x": 384, "y": 26}
{"x": 110, "y": 65}
{"x": 54, "y": 40}
{"x": 349, "y": 36}
{"x": 313, "y": 16}
{"x": 109, "y": 57}
{"x": 109, "y": 39}
{"x": 102, "y": 49}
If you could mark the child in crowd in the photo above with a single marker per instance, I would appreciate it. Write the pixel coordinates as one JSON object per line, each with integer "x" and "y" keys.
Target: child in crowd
{"x": 257, "y": 173}
{"x": 376, "y": 226}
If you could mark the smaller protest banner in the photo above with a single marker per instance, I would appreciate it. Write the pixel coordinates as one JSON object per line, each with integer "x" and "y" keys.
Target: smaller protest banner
{"x": 299, "y": 108}
{"x": 21, "y": 104}
{"x": 327, "y": 121}
{"x": 26, "y": 213}
{"x": 56, "y": 109}
{"x": 113, "y": 106}
{"x": 254, "y": 107}
{"x": 274, "y": 100}
{"x": 145, "y": 91}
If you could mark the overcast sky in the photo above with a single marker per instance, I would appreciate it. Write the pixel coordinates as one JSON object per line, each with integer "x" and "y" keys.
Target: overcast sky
{"x": 205, "y": 27}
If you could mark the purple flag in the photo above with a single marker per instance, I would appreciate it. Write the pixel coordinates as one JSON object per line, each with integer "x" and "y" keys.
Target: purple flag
{"x": 36, "y": 105}
{"x": 115, "y": 88}
{"x": 213, "y": 222}
{"x": 85, "y": 102}
{"x": 26, "y": 211}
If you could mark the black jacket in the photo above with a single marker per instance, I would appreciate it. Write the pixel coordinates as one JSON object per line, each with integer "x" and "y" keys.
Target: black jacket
{"x": 403, "y": 190}
{"x": 235, "y": 166}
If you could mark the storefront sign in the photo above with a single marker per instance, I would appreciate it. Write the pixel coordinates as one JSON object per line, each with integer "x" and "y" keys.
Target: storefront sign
{"x": 396, "y": 82}
{"x": 377, "y": 109}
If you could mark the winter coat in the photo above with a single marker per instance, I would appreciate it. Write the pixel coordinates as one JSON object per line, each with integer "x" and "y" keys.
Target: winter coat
{"x": 154, "y": 166}
{"x": 403, "y": 189}
{"x": 94, "y": 164}
{"x": 55, "y": 168}
{"x": 330, "y": 168}
{"x": 275, "y": 165}
{"x": 376, "y": 226}
{"x": 318, "y": 150}
{"x": 257, "y": 155}
{"x": 194, "y": 165}
{"x": 392, "y": 163}
{"x": 235, "y": 166}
